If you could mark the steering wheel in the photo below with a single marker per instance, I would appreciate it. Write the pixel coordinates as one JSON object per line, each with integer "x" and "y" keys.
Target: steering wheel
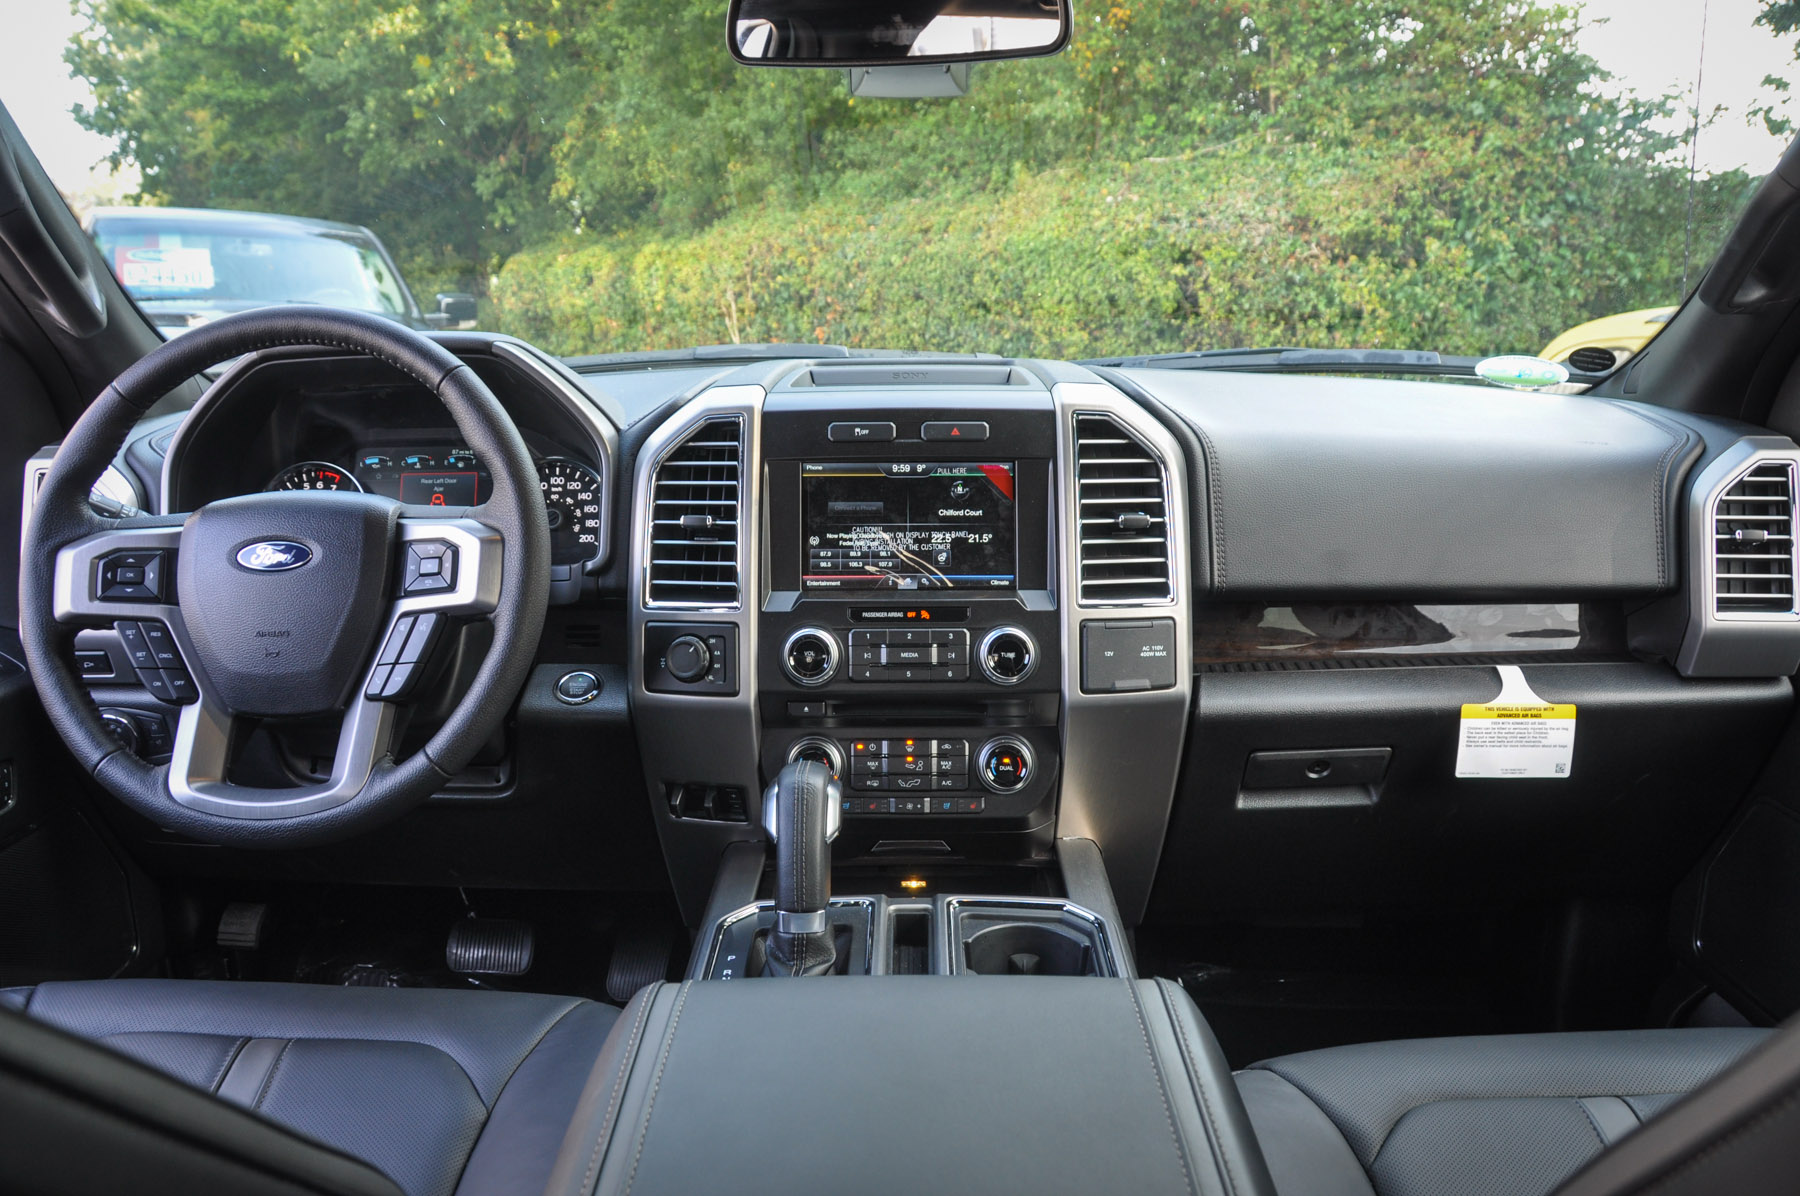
{"x": 285, "y": 605}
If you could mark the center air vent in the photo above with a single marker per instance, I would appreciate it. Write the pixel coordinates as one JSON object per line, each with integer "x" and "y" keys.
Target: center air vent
{"x": 1123, "y": 553}
{"x": 694, "y": 518}
{"x": 1753, "y": 542}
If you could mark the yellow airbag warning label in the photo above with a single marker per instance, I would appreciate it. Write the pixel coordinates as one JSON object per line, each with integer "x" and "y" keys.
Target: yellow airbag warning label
{"x": 1517, "y": 735}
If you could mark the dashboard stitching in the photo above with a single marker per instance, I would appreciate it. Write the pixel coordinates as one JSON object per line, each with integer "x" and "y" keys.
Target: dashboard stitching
{"x": 1659, "y": 486}
{"x": 1215, "y": 520}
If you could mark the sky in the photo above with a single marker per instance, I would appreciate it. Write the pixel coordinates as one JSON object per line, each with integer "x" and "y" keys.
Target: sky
{"x": 1652, "y": 46}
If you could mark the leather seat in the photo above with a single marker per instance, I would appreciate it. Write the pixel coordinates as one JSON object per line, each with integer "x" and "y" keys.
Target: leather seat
{"x": 443, "y": 1091}
{"x": 1511, "y": 1116}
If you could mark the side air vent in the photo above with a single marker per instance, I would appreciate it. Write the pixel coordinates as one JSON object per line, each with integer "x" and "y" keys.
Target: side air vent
{"x": 1753, "y": 542}
{"x": 694, "y": 514}
{"x": 1122, "y": 504}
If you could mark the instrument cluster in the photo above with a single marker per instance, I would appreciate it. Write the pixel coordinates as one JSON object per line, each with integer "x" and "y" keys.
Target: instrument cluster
{"x": 438, "y": 476}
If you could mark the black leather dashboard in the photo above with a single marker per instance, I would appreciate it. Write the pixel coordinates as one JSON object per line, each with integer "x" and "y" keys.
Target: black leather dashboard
{"x": 1355, "y": 487}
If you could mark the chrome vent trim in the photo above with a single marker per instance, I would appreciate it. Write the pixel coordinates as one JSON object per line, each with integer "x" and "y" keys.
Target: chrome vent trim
{"x": 1753, "y": 543}
{"x": 696, "y": 517}
{"x": 1122, "y": 512}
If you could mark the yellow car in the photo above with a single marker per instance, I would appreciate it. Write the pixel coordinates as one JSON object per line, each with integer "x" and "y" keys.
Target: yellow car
{"x": 1624, "y": 334}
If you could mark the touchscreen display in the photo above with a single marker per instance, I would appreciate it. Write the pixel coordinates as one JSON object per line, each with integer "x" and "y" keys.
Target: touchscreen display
{"x": 912, "y": 525}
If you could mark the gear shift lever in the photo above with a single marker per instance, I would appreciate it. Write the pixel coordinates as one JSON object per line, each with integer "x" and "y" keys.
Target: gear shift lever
{"x": 801, "y": 812}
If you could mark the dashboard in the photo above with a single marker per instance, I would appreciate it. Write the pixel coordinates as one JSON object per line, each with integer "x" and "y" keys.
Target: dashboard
{"x": 1218, "y": 624}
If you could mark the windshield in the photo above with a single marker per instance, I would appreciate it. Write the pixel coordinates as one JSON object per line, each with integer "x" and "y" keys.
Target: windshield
{"x": 1471, "y": 177}
{"x": 198, "y": 264}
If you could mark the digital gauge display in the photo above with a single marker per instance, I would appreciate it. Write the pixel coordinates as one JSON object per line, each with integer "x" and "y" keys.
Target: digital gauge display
{"x": 909, "y": 525}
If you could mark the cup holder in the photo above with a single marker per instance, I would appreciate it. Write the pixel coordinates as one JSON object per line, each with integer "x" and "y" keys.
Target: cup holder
{"x": 1029, "y": 949}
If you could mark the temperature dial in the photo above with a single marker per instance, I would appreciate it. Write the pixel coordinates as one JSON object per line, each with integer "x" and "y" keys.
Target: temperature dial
{"x": 1005, "y": 765}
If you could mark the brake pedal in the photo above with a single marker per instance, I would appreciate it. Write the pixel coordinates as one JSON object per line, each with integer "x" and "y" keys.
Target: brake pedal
{"x": 490, "y": 947}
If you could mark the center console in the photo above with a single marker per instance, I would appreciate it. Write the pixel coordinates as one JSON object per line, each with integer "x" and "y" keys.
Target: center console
{"x": 911, "y": 639}
{"x": 956, "y": 586}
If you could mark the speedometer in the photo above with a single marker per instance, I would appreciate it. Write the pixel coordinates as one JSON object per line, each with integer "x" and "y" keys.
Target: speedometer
{"x": 314, "y": 475}
{"x": 572, "y": 500}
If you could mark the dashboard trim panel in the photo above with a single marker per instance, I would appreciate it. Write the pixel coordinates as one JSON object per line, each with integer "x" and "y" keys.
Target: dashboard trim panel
{"x": 1121, "y": 800}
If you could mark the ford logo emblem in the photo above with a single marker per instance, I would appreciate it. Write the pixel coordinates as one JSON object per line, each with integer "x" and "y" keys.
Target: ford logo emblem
{"x": 272, "y": 556}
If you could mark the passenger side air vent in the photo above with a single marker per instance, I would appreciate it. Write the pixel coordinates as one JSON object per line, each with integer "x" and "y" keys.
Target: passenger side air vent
{"x": 694, "y": 515}
{"x": 1123, "y": 546}
{"x": 1753, "y": 542}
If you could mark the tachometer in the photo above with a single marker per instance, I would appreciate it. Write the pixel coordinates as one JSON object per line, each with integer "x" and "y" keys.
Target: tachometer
{"x": 314, "y": 475}
{"x": 572, "y": 497}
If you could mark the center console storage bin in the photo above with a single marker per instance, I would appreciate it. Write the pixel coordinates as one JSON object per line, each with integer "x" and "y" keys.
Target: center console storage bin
{"x": 911, "y": 1084}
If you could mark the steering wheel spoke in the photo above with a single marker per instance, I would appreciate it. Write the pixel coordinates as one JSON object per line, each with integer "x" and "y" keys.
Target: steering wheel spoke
{"x": 202, "y": 755}
{"x": 122, "y": 573}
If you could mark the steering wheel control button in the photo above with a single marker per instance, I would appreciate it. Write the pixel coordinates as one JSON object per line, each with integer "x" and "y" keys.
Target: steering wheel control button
{"x": 137, "y": 648}
{"x": 1005, "y": 764}
{"x": 953, "y": 430}
{"x": 810, "y": 656}
{"x": 430, "y": 568}
{"x": 1007, "y": 656}
{"x": 689, "y": 659}
{"x": 181, "y": 687}
{"x": 162, "y": 645}
{"x": 131, "y": 577}
{"x": 577, "y": 688}
{"x": 408, "y": 645}
{"x": 152, "y": 652}
{"x": 850, "y": 433}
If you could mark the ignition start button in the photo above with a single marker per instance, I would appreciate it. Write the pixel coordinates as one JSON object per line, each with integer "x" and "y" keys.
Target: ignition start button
{"x": 577, "y": 688}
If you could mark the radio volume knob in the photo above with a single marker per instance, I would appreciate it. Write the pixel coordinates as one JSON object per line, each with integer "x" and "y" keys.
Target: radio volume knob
{"x": 1007, "y": 656}
{"x": 810, "y": 656}
{"x": 688, "y": 659}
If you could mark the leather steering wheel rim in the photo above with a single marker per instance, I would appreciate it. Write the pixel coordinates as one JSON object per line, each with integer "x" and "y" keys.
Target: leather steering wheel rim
{"x": 62, "y": 517}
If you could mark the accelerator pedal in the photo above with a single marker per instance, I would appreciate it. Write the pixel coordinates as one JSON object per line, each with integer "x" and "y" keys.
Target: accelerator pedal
{"x": 490, "y": 947}
{"x": 640, "y": 957}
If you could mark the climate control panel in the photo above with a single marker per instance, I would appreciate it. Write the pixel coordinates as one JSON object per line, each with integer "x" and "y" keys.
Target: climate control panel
{"x": 941, "y": 772}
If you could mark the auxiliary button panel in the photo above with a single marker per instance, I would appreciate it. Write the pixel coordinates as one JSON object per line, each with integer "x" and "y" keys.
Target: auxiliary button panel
{"x": 911, "y": 654}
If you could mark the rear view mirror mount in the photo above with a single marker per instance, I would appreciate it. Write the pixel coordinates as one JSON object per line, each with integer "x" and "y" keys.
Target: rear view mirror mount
{"x": 897, "y": 33}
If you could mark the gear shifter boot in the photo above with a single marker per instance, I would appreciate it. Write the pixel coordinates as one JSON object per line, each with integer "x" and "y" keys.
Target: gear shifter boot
{"x": 801, "y": 813}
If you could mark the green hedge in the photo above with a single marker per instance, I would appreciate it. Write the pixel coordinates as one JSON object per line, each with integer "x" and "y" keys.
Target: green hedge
{"x": 1255, "y": 244}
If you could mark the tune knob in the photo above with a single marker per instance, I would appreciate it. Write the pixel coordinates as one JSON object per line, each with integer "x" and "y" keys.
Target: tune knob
{"x": 1007, "y": 656}
{"x": 810, "y": 656}
{"x": 688, "y": 658}
{"x": 1005, "y": 765}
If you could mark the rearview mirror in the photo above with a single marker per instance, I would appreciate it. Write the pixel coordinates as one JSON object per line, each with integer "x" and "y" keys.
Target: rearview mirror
{"x": 836, "y": 33}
